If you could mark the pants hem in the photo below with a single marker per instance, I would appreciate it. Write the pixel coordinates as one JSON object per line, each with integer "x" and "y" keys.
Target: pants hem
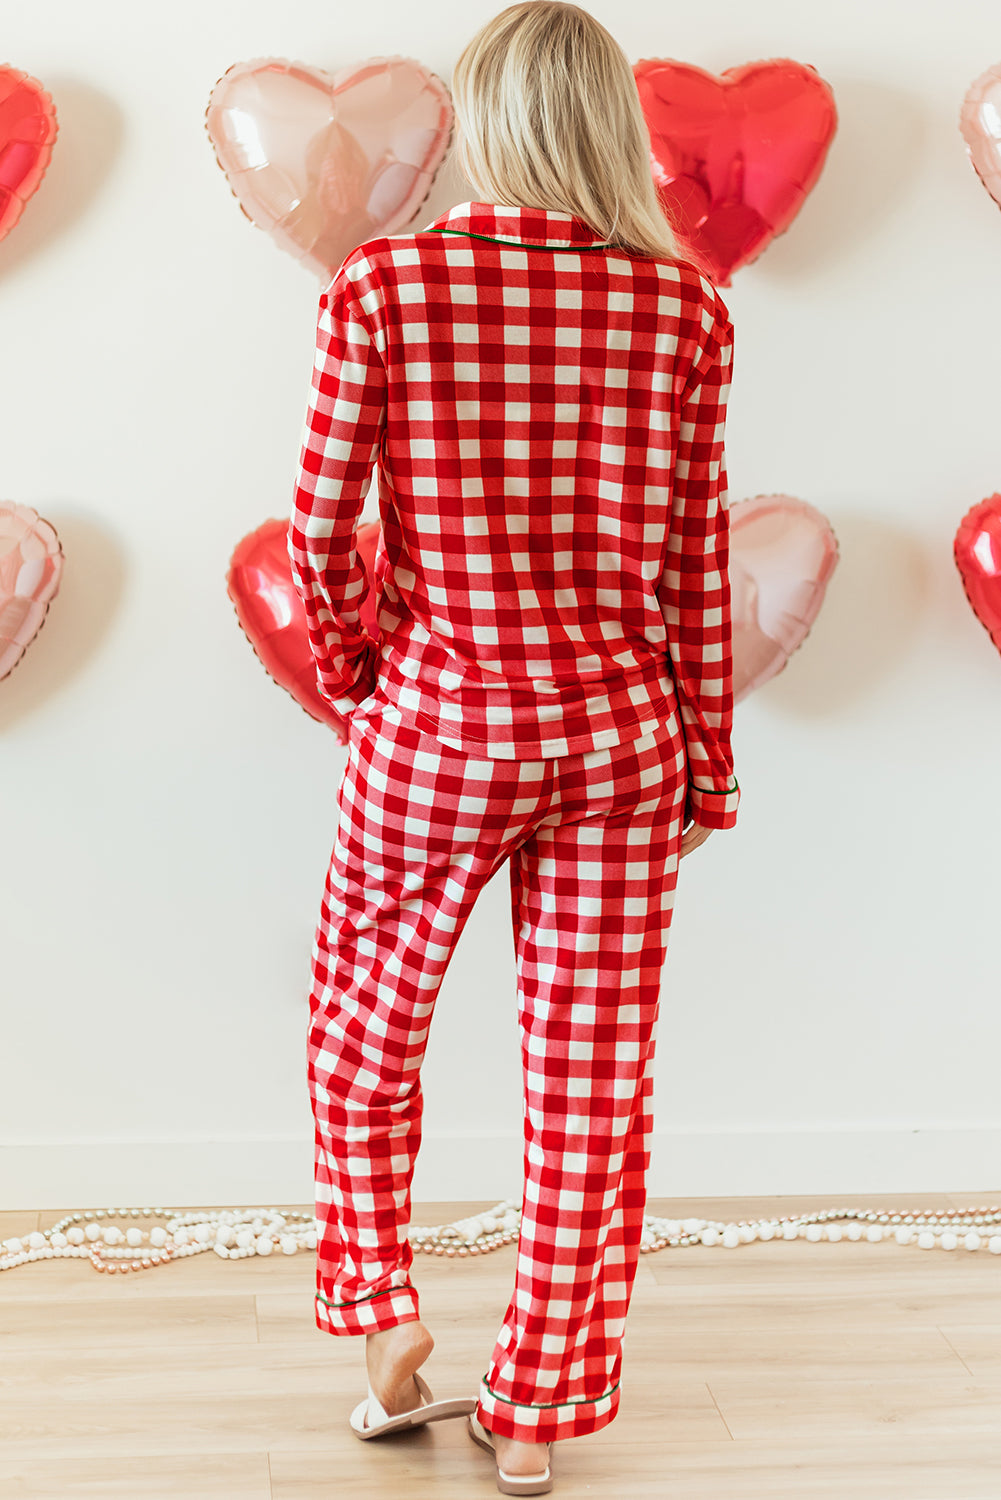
{"x": 545, "y": 1424}
{"x": 399, "y": 1304}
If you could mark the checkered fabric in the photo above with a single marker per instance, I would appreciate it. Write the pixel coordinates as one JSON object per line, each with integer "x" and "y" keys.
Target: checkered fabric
{"x": 546, "y": 414}
{"x": 592, "y": 843}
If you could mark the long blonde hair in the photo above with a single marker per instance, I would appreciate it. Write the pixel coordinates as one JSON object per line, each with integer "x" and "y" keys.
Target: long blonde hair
{"x": 548, "y": 116}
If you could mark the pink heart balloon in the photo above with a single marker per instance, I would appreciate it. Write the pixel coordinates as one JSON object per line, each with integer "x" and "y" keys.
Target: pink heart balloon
{"x": 980, "y": 124}
{"x": 782, "y": 553}
{"x": 324, "y": 162}
{"x": 31, "y": 565}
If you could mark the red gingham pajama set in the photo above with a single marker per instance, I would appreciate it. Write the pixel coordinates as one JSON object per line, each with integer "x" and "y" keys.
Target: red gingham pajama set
{"x": 551, "y": 687}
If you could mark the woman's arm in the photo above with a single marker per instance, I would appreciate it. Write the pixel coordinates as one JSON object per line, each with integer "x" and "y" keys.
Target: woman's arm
{"x": 694, "y": 591}
{"x": 341, "y": 442}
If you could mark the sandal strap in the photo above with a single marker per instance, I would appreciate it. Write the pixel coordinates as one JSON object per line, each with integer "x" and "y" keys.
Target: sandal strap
{"x": 377, "y": 1413}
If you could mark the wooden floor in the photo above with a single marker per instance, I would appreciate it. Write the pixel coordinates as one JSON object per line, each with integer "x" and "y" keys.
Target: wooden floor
{"x": 772, "y": 1370}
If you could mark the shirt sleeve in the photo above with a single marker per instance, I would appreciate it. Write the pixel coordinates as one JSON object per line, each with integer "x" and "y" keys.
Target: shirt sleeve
{"x": 694, "y": 591}
{"x": 341, "y": 442}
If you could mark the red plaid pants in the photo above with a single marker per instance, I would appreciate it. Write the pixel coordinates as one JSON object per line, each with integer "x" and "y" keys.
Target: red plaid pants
{"x": 593, "y": 842}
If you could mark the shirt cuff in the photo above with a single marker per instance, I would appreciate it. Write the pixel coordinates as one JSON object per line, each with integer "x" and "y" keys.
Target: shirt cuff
{"x": 348, "y": 706}
{"x": 713, "y": 809}
{"x": 350, "y": 696}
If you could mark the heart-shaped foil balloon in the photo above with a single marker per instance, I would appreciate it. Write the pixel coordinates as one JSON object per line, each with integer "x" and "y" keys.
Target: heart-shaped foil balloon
{"x": 977, "y": 550}
{"x": 27, "y": 131}
{"x": 782, "y": 553}
{"x": 323, "y": 162}
{"x": 31, "y": 565}
{"x": 980, "y": 123}
{"x": 271, "y": 613}
{"x": 734, "y": 154}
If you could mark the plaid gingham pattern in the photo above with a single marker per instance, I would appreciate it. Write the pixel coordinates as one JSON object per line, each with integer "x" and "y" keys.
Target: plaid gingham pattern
{"x": 592, "y": 844}
{"x": 546, "y": 415}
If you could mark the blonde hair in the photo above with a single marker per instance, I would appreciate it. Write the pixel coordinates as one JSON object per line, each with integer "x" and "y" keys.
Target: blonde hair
{"x": 548, "y": 116}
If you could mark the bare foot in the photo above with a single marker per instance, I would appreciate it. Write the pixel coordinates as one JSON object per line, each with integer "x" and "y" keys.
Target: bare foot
{"x": 393, "y": 1355}
{"x": 520, "y": 1458}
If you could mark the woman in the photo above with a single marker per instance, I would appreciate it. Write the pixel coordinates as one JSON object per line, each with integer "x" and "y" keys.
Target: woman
{"x": 542, "y": 380}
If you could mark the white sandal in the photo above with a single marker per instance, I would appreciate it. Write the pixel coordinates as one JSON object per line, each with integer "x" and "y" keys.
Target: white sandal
{"x": 512, "y": 1484}
{"x": 379, "y": 1420}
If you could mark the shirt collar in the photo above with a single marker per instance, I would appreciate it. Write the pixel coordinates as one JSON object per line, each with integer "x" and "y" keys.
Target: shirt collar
{"x": 539, "y": 228}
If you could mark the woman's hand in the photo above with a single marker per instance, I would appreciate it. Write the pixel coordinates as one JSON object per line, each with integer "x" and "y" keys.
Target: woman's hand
{"x": 692, "y": 837}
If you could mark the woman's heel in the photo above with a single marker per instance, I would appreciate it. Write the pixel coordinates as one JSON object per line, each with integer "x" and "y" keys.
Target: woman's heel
{"x": 512, "y": 1484}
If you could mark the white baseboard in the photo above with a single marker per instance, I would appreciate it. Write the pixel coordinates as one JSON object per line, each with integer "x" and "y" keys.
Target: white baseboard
{"x": 483, "y": 1168}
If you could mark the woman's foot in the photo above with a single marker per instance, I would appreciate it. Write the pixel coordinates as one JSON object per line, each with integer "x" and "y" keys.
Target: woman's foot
{"x": 393, "y": 1356}
{"x": 520, "y": 1458}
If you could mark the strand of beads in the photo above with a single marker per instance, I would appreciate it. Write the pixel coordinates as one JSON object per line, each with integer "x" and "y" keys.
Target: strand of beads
{"x": 231, "y": 1233}
{"x": 926, "y": 1229}
{"x": 476, "y": 1235}
{"x": 67, "y": 1239}
{"x": 236, "y": 1233}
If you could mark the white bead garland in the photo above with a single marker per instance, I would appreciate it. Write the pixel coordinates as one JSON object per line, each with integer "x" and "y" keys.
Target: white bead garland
{"x": 235, "y": 1233}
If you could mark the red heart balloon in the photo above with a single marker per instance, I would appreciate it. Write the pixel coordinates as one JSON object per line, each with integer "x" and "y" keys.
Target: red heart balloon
{"x": 977, "y": 550}
{"x": 27, "y": 131}
{"x": 272, "y": 616}
{"x": 735, "y": 154}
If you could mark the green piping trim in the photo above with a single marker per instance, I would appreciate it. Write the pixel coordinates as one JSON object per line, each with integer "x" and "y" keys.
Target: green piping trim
{"x": 522, "y": 244}
{"x": 713, "y": 791}
{"x": 371, "y": 1298}
{"x": 552, "y": 1405}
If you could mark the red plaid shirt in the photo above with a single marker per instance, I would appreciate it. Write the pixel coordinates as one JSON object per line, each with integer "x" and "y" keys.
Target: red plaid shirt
{"x": 547, "y": 416}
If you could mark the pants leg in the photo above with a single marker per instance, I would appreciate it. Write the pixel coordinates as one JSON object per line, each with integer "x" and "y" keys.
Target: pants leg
{"x": 592, "y": 900}
{"x": 421, "y": 830}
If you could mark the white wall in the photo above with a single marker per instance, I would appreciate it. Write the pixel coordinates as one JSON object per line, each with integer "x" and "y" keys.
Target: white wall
{"x": 830, "y": 1019}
